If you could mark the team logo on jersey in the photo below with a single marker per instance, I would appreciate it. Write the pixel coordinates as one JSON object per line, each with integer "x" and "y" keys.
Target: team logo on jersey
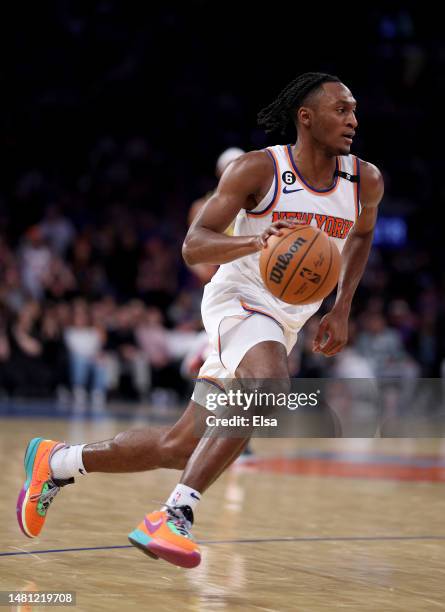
{"x": 337, "y": 227}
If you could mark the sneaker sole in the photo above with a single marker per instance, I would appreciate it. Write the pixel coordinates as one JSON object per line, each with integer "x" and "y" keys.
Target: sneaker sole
{"x": 158, "y": 551}
{"x": 30, "y": 455}
{"x": 143, "y": 548}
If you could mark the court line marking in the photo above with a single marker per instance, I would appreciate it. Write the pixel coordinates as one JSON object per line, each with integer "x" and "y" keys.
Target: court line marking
{"x": 243, "y": 541}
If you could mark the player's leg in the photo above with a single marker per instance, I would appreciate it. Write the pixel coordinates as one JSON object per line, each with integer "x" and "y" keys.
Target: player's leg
{"x": 266, "y": 360}
{"x": 166, "y": 533}
{"x": 138, "y": 450}
{"x": 50, "y": 464}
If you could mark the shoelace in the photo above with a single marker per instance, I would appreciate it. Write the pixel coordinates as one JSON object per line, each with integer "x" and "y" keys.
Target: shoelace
{"x": 47, "y": 497}
{"x": 178, "y": 519}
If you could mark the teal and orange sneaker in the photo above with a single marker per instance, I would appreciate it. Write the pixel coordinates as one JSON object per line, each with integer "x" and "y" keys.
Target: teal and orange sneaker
{"x": 40, "y": 487}
{"x": 165, "y": 534}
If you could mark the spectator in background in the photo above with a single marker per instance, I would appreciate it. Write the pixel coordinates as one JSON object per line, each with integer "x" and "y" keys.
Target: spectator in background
{"x": 185, "y": 313}
{"x": 152, "y": 338}
{"x": 87, "y": 368}
{"x": 383, "y": 348}
{"x": 5, "y": 354}
{"x": 350, "y": 363}
{"x": 35, "y": 259}
{"x": 157, "y": 273}
{"x": 155, "y": 340}
{"x": 402, "y": 318}
{"x": 59, "y": 281}
{"x": 54, "y": 352}
{"x": 122, "y": 263}
{"x": 124, "y": 357}
{"x": 12, "y": 292}
{"x": 57, "y": 230}
{"x": 431, "y": 336}
{"x": 29, "y": 375}
{"x": 81, "y": 263}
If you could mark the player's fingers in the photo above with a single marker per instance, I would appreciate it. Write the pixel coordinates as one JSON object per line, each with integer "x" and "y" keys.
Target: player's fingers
{"x": 327, "y": 346}
{"x": 332, "y": 348}
{"x": 262, "y": 239}
{"x": 319, "y": 337}
{"x": 288, "y": 223}
{"x": 336, "y": 349}
{"x": 275, "y": 228}
{"x": 275, "y": 231}
{"x": 332, "y": 353}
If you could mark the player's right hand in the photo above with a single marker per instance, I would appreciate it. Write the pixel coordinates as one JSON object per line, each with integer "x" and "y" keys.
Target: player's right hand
{"x": 274, "y": 230}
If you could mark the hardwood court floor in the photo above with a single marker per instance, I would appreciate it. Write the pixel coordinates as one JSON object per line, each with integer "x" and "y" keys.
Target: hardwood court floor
{"x": 274, "y": 538}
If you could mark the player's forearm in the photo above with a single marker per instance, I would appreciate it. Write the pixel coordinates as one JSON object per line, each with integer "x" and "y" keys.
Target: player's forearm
{"x": 354, "y": 258}
{"x": 202, "y": 245}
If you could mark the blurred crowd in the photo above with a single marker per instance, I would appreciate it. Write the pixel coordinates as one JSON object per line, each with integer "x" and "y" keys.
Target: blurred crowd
{"x": 99, "y": 169}
{"x": 83, "y": 352}
{"x": 100, "y": 309}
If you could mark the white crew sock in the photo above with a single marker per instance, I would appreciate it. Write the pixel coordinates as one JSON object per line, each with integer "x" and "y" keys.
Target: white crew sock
{"x": 67, "y": 462}
{"x": 184, "y": 496}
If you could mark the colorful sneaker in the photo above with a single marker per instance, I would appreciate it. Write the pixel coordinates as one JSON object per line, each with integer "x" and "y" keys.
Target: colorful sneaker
{"x": 166, "y": 534}
{"x": 40, "y": 487}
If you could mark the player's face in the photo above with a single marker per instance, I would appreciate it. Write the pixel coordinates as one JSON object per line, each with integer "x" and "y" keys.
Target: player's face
{"x": 334, "y": 120}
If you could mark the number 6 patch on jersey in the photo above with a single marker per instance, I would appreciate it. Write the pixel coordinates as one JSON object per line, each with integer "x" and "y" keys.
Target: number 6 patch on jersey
{"x": 288, "y": 177}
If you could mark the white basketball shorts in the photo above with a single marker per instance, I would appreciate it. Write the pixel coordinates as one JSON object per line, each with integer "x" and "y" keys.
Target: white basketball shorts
{"x": 235, "y": 322}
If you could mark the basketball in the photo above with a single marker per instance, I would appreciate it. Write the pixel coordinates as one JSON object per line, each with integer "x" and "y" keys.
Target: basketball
{"x": 301, "y": 266}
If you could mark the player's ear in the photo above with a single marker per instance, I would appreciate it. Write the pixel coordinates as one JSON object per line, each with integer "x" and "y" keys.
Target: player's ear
{"x": 304, "y": 116}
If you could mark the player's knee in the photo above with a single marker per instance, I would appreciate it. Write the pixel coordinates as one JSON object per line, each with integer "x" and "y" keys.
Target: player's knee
{"x": 263, "y": 371}
{"x": 264, "y": 361}
{"x": 265, "y": 394}
{"x": 267, "y": 377}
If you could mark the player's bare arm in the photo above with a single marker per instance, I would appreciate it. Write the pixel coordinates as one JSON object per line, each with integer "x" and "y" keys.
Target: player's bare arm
{"x": 243, "y": 185}
{"x": 332, "y": 335}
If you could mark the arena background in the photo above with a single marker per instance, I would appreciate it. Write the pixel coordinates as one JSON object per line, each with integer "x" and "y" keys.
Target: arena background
{"x": 112, "y": 117}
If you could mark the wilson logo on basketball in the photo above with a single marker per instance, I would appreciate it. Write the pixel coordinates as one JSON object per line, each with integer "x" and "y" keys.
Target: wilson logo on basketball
{"x": 301, "y": 265}
{"x": 282, "y": 263}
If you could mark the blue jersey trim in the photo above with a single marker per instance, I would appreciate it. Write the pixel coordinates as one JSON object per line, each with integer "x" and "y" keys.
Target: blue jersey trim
{"x": 331, "y": 188}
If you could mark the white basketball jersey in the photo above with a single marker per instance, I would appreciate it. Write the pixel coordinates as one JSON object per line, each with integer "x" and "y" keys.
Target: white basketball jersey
{"x": 333, "y": 210}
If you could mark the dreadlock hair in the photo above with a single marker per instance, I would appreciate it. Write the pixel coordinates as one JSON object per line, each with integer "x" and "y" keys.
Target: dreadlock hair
{"x": 281, "y": 111}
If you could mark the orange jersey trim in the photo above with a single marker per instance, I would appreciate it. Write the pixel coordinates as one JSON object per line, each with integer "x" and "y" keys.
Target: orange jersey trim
{"x": 210, "y": 380}
{"x": 261, "y": 312}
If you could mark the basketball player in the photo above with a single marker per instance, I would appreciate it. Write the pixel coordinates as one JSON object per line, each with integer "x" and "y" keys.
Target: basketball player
{"x": 316, "y": 180}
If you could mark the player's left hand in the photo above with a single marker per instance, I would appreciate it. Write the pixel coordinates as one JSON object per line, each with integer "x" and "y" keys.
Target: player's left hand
{"x": 332, "y": 334}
